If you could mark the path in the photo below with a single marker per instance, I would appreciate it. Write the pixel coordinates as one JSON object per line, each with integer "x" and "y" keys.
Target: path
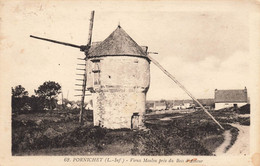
{"x": 222, "y": 148}
{"x": 241, "y": 146}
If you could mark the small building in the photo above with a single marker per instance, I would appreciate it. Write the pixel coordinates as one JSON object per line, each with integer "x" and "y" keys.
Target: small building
{"x": 187, "y": 105}
{"x": 182, "y": 104}
{"x": 89, "y": 106}
{"x": 230, "y": 98}
{"x": 159, "y": 105}
{"x": 207, "y": 103}
{"x": 176, "y": 107}
{"x": 156, "y": 105}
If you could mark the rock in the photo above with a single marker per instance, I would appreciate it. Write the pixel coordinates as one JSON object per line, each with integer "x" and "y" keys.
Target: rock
{"x": 39, "y": 122}
{"x": 56, "y": 120}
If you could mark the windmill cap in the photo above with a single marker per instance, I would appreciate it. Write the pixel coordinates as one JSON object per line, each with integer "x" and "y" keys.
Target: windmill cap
{"x": 118, "y": 43}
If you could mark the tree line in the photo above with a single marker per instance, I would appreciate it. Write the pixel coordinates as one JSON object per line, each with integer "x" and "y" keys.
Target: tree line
{"x": 45, "y": 98}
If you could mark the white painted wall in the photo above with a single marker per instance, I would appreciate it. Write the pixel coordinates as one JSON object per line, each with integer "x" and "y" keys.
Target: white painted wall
{"x": 160, "y": 107}
{"x": 226, "y": 105}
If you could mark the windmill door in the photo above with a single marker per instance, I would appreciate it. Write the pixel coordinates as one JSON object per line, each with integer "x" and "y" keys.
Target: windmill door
{"x": 135, "y": 121}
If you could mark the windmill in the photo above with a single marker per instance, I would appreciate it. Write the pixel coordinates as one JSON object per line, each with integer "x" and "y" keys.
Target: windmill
{"x": 113, "y": 48}
{"x": 85, "y": 49}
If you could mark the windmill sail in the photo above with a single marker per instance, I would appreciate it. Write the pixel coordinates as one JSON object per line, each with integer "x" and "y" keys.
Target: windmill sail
{"x": 85, "y": 72}
{"x": 84, "y": 48}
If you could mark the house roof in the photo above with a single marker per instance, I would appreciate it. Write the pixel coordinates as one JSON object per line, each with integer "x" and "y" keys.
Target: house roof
{"x": 206, "y": 102}
{"x": 117, "y": 43}
{"x": 230, "y": 96}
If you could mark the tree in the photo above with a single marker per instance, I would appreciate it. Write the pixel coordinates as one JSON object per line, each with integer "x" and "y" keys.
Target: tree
{"x": 19, "y": 99}
{"x": 37, "y": 103}
{"x": 49, "y": 91}
{"x": 19, "y": 92}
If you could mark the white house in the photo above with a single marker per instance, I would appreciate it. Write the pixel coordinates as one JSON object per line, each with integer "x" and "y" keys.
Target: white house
{"x": 89, "y": 106}
{"x": 230, "y": 98}
{"x": 187, "y": 105}
{"x": 159, "y": 106}
{"x": 176, "y": 107}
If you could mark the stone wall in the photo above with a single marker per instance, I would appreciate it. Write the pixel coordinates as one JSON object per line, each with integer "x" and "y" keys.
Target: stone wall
{"x": 124, "y": 82}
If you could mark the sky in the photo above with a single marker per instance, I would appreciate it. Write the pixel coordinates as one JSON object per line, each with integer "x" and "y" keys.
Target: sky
{"x": 205, "y": 48}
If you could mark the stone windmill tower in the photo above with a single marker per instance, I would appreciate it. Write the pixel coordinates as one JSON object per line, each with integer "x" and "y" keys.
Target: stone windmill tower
{"x": 118, "y": 76}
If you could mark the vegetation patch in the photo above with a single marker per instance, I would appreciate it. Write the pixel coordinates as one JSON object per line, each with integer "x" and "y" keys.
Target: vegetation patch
{"x": 244, "y": 121}
{"x": 234, "y": 133}
{"x": 57, "y": 132}
{"x": 179, "y": 137}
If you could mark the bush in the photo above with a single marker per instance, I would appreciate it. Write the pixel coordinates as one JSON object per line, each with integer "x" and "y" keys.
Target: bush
{"x": 37, "y": 103}
{"x": 169, "y": 140}
{"x": 244, "y": 121}
{"x": 20, "y": 104}
{"x": 244, "y": 109}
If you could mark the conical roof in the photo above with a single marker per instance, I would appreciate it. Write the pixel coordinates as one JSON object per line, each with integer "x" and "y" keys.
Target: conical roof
{"x": 117, "y": 43}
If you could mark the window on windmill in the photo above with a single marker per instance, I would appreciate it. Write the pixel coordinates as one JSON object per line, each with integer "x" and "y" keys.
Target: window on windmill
{"x": 96, "y": 67}
{"x": 96, "y": 71}
{"x": 96, "y": 78}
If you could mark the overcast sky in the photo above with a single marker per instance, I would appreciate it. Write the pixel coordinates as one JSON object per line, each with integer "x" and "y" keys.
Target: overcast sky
{"x": 205, "y": 49}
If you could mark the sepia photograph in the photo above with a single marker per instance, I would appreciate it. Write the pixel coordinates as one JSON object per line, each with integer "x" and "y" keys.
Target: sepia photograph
{"x": 143, "y": 82}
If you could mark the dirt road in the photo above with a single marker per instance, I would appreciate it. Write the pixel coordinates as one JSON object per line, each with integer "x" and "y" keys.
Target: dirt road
{"x": 241, "y": 146}
{"x": 222, "y": 148}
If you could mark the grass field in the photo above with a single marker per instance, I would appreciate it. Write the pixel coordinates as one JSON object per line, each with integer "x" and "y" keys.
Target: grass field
{"x": 58, "y": 133}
